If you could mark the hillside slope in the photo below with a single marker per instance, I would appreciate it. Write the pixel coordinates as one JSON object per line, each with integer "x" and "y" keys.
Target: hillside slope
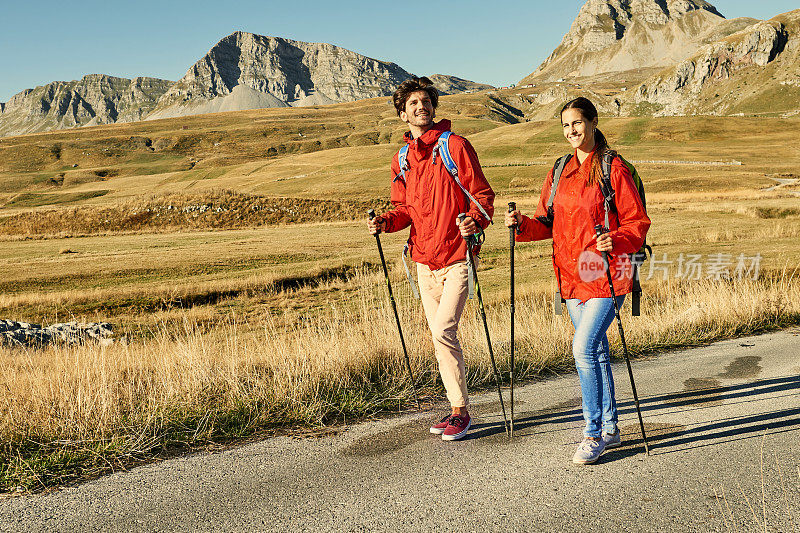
{"x": 755, "y": 70}
{"x": 98, "y": 164}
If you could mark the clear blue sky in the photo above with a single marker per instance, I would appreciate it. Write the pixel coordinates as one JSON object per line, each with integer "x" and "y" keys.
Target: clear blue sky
{"x": 497, "y": 41}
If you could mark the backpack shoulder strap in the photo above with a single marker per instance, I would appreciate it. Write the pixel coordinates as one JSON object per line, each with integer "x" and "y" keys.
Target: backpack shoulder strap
{"x": 443, "y": 149}
{"x": 558, "y": 169}
{"x": 606, "y": 188}
{"x": 443, "y": 145}
{"x": 402, "y": 161}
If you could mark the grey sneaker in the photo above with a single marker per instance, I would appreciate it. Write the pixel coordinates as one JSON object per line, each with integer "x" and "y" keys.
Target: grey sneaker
{"x": 589, "y": 451}
{"x": 612, "y": 440}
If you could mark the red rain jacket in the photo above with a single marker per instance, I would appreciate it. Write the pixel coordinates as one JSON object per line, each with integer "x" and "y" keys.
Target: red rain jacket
{"x": 429, "y": 199}
{"x": 578, "y": 207}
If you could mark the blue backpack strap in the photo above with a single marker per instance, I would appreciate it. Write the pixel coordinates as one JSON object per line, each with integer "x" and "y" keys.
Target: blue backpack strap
{"x": 402, "y": 161}
{"x": 443, "y": 149}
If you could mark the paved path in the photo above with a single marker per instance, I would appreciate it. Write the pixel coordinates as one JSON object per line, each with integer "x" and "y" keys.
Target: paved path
{"x": 713, "y": 414}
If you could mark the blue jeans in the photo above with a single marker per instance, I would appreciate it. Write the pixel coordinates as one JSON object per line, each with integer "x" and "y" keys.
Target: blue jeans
{"x": 592, "y": 360}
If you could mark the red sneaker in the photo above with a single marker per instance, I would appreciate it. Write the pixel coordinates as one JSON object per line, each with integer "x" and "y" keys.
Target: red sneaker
{"x": 457, "y": 427}
{"x": 438, "y": 429}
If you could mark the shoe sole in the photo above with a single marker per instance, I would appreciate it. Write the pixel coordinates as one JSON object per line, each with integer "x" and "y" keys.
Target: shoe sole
{"x": 457, "y": 436}
{"x": 437, "y": 431}
{"x": 590, "y": 462}
{"x": 613, "y": 445}
{"x": 605, "y": 449}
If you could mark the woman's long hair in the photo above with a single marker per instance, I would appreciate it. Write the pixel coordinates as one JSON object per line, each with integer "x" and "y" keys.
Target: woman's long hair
{"x": 589, "y": 113}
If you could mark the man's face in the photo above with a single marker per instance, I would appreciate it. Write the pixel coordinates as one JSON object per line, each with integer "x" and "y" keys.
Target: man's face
{"x": 419, "y": 110}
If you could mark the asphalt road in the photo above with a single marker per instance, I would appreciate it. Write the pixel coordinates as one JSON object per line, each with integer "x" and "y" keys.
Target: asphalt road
{"x": 723, "y": 422}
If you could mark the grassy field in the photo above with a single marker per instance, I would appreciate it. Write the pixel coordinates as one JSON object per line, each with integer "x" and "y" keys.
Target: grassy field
{"x": 231, "y": 255}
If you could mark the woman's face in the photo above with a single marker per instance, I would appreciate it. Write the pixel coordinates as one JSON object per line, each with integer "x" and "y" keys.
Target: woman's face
{"x": 578, "y": 131}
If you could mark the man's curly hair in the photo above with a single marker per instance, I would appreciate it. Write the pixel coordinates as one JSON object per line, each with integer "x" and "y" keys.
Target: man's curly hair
{"x": 412, "y": 85}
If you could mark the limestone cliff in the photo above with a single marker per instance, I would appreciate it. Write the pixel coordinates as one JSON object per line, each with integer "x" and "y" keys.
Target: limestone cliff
{"x": 618, "y": 35}
{"x": 756, "y": 70}
{"x": 248, "y": 71}
{"x": 94, "y": 99}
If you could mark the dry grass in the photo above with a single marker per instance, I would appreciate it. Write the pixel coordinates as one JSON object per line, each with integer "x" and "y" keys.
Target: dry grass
{"x": 74, "y": 411}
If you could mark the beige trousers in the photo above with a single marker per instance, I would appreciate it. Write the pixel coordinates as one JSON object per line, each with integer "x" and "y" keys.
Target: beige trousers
{"x": 444, "y": 294}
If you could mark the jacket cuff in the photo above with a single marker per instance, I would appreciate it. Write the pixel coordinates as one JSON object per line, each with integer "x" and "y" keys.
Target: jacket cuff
{"x": 479, "y": 219}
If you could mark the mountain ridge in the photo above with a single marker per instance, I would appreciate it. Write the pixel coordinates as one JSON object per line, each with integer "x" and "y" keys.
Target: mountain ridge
{"x": 619, "y": 35}
{"x": 241, "y": 71}
{"x": 94, "y": 99}
{"x": 275, "y": 72}
{"x": 755, "y": 67}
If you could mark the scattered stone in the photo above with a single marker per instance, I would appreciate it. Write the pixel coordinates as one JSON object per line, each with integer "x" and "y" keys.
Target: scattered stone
{"x": 23, "y": 334}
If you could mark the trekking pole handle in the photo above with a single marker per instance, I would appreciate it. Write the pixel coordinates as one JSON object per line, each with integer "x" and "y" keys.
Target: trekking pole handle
{"x": 512, "y": 206}
{"x": 460, "y": 218}
{"x": 599, "y": 230}
{"x": 371, "y": 215}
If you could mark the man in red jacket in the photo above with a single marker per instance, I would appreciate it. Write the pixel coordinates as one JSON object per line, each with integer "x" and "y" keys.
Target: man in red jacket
{"x": 429, "y": 199}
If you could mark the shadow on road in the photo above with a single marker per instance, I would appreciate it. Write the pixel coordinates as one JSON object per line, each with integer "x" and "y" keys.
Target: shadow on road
{"x": 668, "y": 438}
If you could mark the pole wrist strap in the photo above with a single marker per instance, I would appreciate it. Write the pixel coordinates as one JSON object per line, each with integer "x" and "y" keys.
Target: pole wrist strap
{"x": 414, "y": 289}
{"x": 470, "y": 278}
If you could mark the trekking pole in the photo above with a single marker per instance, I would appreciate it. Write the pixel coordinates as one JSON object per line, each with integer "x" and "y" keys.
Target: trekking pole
{"x": 512, "y": 241}
{"x": 371, "y": 214}
{"x": 600, "y": 230}
{"x": 497, "y": 378}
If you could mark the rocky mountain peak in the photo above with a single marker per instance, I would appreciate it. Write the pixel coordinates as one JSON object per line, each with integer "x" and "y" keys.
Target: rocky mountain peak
{"x": 248, "y": 71}
{"x": 610, "y": 35}
{"x": 752, "y": 69}
{"x": 615, "y": 16}
{"x": 94, "y": 99}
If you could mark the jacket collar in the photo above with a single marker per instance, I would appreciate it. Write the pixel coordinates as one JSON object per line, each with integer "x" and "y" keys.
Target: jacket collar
{"x": 573, "y": 165}
{"x": 431, "y": 136}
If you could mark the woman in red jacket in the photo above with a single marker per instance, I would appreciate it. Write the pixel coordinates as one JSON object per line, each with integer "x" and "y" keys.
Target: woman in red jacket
{"x": 577, "y": 208}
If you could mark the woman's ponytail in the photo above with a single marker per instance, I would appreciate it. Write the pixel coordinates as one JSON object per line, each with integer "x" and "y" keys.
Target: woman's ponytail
{"x": 600, "y": 148}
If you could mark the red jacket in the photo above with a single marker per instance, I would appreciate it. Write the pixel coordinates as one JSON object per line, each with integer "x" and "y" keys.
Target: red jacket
{"x": 577, "y": 209}
{"x": 429, "y": 199}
